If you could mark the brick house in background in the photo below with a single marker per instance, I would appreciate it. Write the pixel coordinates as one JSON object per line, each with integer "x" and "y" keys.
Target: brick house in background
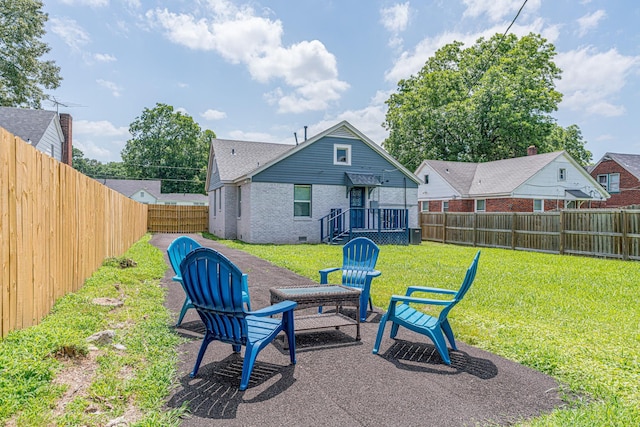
{"x": 534, "y": 183}
{"x": 619, "y": 174}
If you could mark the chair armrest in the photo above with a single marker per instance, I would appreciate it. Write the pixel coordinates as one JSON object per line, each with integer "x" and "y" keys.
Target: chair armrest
{"x": 278, "y": 308}
{"x": 374, "y": 273}
{"x": 325, "y": 272}
{"x": 407, "y": 299}
{"x": 412, "y": 289}
{"x": 177, "y": 278}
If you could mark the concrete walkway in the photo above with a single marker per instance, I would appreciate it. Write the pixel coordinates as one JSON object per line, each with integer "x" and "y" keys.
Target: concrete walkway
{"x": 338, "y": 381}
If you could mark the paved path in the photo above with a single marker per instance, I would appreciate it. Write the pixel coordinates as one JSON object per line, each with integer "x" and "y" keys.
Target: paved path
{"x": 338, "y": 381}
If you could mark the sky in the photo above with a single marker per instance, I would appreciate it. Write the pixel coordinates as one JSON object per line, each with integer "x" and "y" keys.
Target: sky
{"x": 263, "y": 70}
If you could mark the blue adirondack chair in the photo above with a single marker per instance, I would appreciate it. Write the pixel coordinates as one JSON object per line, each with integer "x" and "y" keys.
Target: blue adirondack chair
{"x": 214, "y": 285}
{"x": 177, "y": 250}
{"x": 401, "y": 314}
{"x": 359, "y": 257}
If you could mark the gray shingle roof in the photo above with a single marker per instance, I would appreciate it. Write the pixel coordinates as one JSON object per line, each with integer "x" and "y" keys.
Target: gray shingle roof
{"x": 237, "y": 158}
{"x": 25, "y": 123}
{"x": 497, "y": 177}
{"x": 130, "y": 186}
{"x": 630, "y": 162}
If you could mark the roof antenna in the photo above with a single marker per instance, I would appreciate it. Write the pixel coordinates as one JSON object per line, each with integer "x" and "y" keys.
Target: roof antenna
{"x": 305, "y": 132}
{"x": 295, "y": 135}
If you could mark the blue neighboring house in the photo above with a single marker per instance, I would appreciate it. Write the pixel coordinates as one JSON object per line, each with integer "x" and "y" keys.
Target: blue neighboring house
{"x": 329, "y": 188}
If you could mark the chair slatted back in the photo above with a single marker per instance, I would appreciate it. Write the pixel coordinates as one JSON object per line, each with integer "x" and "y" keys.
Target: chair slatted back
{"x": 214, "y": 285}
{"x": 359, "y": 256}
{"x": 178, "y": 249}
{"x": 468, "y": 280}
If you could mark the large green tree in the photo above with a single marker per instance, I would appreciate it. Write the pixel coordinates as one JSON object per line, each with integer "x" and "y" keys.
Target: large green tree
{"x": 23, "y": 74}
{"x": 96, "y": 169}
{"x": 486, "y": 102}
{"x": 168, "y": 145}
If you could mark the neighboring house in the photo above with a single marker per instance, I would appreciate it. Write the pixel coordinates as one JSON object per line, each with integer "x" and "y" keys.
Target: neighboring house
{"x": 534, "y": 183}
{"x": 337, "y": 183}
{"x": 47, "y": 131}
{"x": 148, "y": 191}
{"x": 619, "y": 175}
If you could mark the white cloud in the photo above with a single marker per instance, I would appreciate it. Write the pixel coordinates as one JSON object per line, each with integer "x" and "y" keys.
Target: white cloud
{"x": 241, "y": 37}
{"x": 410, "y": 63}
{"x": 113, "y": 87}
{"x": 100, "y": 140}
{"x": 395, "y": 18}
{"x": 182, "y": 110}
{"x": 590, "y": 21}
{"x": 214, "y": 115}
{"x": 70, "y": 32}
{"x": 90, "y": 3}
{"x": 252, "y": 136}
{"x": 104, "y": 57}
{"x": 101, "y": 127}
{"x": 591, "y": 80}
{"x": 497, "y": 10}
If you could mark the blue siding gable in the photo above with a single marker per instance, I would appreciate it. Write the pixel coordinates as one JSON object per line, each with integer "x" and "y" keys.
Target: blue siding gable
{"x": 314, "y": 165}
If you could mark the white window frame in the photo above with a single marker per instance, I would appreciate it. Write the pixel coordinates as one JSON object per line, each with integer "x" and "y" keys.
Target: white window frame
{"x": 426, "y": 179}
{"x": 562, "y": 174}
{"x": 541, "y": 209}
{"x": 299, "y": 201}
{"x": 603, "y": 180}
{"x": 445, "y": 206}
{"x": 424, "y": 206}
{"x": 484, "y": 205}
{"x": 347, "y": 160}
{"x": 614, "y": 185}
{"x": 239, "y": 201}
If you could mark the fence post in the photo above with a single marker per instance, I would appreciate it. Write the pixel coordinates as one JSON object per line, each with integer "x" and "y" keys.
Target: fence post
{"x": 625, "y": 247}
{"x": 513, "y": 231}
{"x": 561, "y": 232}
{"x": 444, "y": 227}
{"x": 475, "y": 220}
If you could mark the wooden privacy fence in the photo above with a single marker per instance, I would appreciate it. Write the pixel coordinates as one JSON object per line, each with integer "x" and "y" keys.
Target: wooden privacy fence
{"x": 178, "y": 219}
{"x": 56, "y": 228}
{"x": 592, "y": 232}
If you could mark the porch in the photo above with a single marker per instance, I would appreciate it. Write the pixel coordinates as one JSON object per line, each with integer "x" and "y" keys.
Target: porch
{"x": 383, "y": 226}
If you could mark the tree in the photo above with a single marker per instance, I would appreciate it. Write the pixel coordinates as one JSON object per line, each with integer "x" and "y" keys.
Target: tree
{"x": 95, "y": 169}
{"x": 487, "y": 102}
{"x": 170, "y": 146}
{"x": 23, "y": 75}
{"x": 569, "y": 139}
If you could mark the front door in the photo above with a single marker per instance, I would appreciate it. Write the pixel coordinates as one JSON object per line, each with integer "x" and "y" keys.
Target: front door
{"x": 356, "y": 203}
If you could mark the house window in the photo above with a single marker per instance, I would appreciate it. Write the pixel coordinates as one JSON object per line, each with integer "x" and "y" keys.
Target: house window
{"x": 538, "y": 205}
{"x": 142, "y": 194}
{"x": 342, "y": 154}
{"x": 562, "y": 174}
{"x": 445, "y": 206}
{"x": 424, "y": 206}
{"x": 572, "y": 204}
{"x": 610, "y": 182}
{"x": 481, "y": 205}
{"x": 239, "y": 202}
{"x": 426, "y": 179}
{"x": 220, "y": 199}
{"x": 215, "y": 200}
{"x": 302, "y": 201}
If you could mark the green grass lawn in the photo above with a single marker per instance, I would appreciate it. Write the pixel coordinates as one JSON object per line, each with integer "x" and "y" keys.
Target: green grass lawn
{"x": 575, "y": 318}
